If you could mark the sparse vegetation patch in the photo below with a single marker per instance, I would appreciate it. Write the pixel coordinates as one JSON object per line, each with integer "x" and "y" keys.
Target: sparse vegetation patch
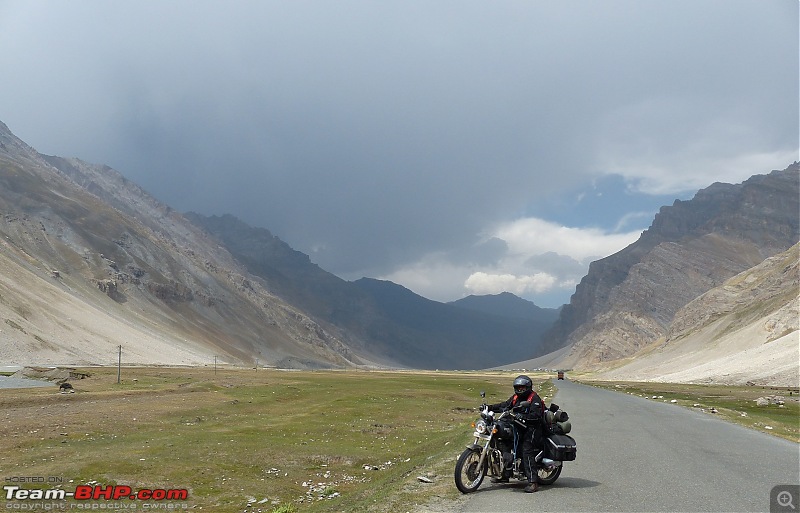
{"x": 773, "y": 410}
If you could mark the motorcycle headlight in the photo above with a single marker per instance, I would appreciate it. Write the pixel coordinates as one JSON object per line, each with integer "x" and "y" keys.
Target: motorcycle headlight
{"x": 480, "y": 427}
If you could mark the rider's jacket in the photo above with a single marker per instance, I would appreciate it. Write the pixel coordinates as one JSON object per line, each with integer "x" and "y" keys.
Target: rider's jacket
{"x": 535, "y": 412}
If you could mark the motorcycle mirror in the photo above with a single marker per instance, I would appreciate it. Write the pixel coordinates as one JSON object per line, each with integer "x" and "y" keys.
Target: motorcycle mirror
{"x": 483, "y": 393}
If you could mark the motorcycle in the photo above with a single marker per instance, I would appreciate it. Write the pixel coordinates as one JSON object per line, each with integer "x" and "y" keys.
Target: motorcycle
{"x": 497, "y": 449}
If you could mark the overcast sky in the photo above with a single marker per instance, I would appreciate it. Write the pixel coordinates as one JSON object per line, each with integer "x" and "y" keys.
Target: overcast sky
{"x": 453, "y": 147}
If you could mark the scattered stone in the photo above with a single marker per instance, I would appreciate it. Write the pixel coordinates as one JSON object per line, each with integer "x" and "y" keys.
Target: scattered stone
{"x": 424, "y": 479}
{"x": 770, "y": 399}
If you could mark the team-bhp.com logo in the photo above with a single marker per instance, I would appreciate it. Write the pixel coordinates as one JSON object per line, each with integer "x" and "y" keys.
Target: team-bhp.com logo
{"x": 95, "y": 492}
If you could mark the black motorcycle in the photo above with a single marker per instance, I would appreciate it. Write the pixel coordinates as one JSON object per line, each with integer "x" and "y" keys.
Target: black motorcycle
{"x": 497, "y": 449}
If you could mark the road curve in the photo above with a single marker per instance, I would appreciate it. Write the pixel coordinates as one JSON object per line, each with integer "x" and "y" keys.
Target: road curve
{"x": 640, "y": 455}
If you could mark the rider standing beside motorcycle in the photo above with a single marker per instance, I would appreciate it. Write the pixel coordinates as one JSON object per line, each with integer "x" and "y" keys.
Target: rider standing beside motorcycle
{"x": 533, "y": 418}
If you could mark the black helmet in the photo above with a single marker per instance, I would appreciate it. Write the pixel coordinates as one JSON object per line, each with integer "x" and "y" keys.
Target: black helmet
{"x": 523, "y": 385}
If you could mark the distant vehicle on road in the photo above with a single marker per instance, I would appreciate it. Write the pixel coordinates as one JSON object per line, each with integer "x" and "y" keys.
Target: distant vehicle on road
{"x": 560, "y": 374}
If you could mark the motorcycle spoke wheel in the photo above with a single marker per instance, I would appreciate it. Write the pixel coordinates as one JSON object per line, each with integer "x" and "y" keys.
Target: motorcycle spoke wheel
{"x": 468, "y": 475}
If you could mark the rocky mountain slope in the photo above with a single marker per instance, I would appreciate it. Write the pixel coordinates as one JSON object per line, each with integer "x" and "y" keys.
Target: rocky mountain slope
{"x": 745, "y": 330}
{"x": 629, "y": 300}
{"x": 91, "y": 262}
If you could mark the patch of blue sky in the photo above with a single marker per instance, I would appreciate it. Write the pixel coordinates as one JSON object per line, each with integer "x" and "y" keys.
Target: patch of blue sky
{"x": 609, "y": 202}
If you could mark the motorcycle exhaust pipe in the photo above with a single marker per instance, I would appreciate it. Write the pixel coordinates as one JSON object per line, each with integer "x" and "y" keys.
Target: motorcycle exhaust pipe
{"x": 549, "y": 464}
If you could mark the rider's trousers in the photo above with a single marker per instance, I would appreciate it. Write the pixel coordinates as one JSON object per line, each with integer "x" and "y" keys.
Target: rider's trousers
{"x": 531, "y": 445}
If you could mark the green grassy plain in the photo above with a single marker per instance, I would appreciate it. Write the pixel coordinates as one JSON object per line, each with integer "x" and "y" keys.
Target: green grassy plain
{"x": 253, "y": 440}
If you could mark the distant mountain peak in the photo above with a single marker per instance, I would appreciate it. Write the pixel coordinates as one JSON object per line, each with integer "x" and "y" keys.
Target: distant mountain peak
{"x": 507, "y": 305}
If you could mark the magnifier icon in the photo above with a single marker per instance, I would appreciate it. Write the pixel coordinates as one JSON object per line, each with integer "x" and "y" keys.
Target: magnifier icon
{"x": 785, "y": 499}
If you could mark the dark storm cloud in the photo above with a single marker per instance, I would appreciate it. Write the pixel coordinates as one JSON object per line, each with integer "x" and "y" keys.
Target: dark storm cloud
{"x": 395, "y": 138}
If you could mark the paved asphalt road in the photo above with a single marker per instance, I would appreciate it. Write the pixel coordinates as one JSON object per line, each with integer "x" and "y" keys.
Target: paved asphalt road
{"x": 639, "y": 455}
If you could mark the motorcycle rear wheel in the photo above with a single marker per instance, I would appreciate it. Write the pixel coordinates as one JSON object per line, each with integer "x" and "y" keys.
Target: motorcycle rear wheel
{"x": 548, "y": 477}
{"x": 467, "y": 474}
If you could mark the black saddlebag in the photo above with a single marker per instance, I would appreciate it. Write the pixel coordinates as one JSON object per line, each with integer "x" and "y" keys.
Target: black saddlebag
{"x": 560, "y": 447}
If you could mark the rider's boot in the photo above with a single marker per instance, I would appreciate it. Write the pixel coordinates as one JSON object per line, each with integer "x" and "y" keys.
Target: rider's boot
{"x": 533, "y": 481}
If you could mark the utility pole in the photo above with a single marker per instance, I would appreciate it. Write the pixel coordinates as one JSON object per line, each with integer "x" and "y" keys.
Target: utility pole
{"x": 119, "y": 365}
{"x": 215, "y": 365}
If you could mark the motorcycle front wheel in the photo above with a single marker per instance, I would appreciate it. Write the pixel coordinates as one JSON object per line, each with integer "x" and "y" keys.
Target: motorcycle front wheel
{"x": 548, "y": 477}
{"x": 467, "y": 475}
